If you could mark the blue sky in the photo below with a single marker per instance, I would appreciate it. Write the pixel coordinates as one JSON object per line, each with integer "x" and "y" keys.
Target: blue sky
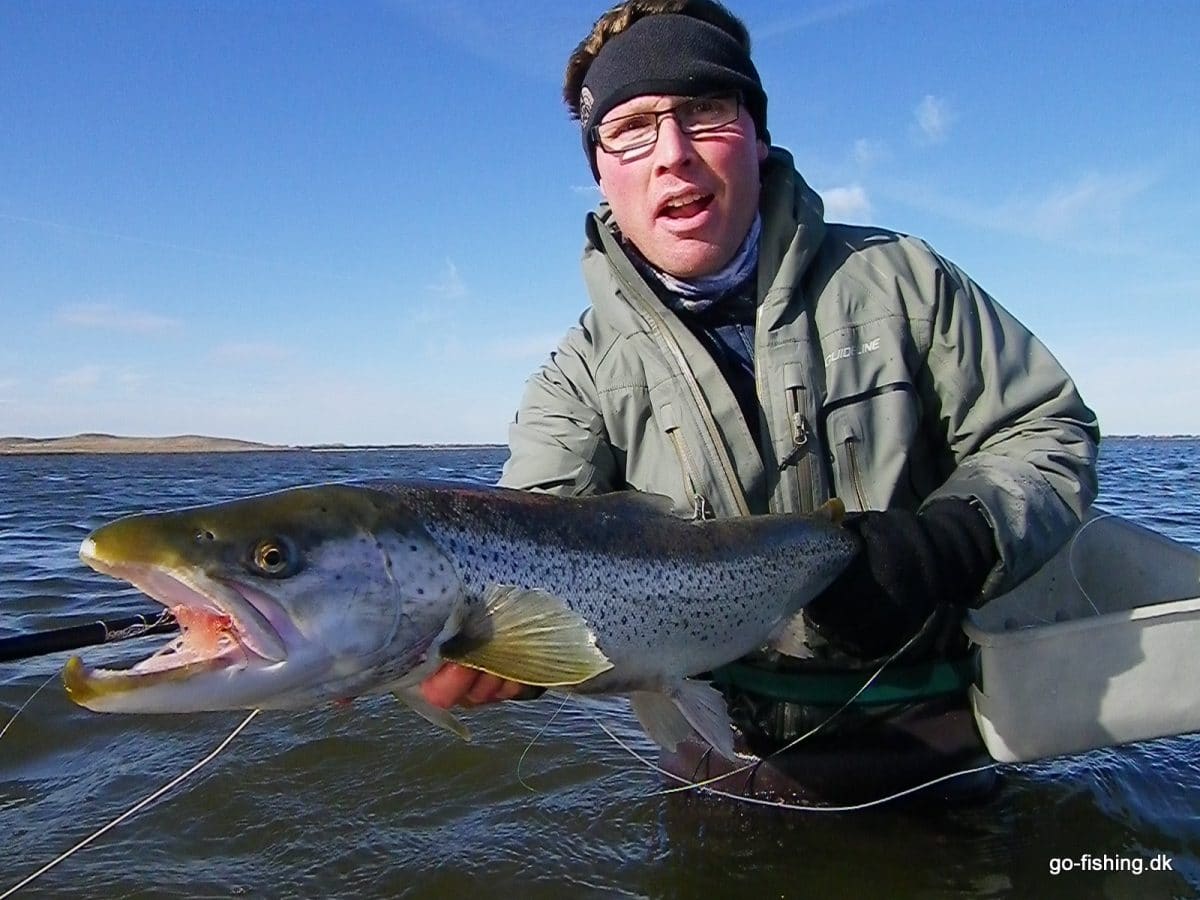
{"x": 361, "y": 222}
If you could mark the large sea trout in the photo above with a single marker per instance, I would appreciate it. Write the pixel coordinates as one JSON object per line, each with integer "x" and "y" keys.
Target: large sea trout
{"x": 313, "y": 594}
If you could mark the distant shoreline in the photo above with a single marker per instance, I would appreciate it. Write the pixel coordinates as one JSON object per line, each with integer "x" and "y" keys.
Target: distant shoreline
{"x": 196, "y": 443}
{"x": 188, "y": 443}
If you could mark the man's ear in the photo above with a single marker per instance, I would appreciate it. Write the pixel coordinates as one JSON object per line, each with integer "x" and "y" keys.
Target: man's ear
{"x": 763, "y": 150}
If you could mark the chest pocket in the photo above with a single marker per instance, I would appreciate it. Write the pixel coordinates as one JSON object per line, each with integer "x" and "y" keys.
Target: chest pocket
{"x": 877, "y": 460}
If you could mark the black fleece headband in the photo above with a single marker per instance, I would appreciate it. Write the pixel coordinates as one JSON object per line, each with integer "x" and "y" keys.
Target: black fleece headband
{"x": 668, "y": 53}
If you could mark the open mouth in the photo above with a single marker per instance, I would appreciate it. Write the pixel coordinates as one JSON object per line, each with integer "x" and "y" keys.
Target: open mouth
{"x": 685, "y": 206}
{"x": 221, "y": 628}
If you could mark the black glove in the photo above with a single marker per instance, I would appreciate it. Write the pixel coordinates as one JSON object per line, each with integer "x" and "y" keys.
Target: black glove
{"x": 910, "y": 565}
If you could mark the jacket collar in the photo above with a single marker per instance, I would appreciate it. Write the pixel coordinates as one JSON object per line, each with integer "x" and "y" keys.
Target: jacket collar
{"x": 793, "y": 230}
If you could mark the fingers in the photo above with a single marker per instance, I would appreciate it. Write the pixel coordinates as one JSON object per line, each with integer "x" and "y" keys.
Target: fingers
{"x": 486, "y": 688}
{"x": 448, "y": 685}
{"x": 454, "y": 684}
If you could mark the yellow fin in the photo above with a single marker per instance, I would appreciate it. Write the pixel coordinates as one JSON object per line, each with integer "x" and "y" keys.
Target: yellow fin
{"x": 833, "y": 509}
{"x": 527, "y": 635}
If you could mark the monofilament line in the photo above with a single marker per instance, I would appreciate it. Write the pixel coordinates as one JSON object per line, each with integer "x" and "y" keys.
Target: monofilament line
{"x": 132, "y": 810}
{"x": 4, "y": 730}
{"x": 780, "y": 804}
{"x": 534, "y": 740}
{"x": 696, "y": 785}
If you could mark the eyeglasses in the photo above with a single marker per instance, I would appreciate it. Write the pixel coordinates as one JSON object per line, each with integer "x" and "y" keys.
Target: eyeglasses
{"x": 695, "y": 116}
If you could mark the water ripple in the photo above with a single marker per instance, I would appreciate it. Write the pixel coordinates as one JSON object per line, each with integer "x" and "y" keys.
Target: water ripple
{"x": 372, "y": 801}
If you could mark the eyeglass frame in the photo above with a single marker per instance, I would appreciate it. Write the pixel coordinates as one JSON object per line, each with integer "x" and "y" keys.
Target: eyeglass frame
{"x": 738, "y": 103}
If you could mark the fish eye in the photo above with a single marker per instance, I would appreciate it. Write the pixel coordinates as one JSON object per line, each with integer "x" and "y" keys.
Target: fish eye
{"x": 274, "y": 556}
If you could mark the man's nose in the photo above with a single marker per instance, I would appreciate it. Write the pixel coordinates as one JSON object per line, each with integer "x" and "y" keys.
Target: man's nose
{"x": 673, "y": 147}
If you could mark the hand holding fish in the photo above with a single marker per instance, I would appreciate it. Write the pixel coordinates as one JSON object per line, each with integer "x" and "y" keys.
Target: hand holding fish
{"x": 455, "y": 685}
{"x": 911, "y": 565}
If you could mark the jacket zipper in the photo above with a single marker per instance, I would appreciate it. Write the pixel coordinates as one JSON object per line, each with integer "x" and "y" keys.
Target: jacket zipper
{"x": 662, "y": 335}
{"x": 856, "y": 472}
{"x": 800, "y": 455}
{"x": 701, "y": 508}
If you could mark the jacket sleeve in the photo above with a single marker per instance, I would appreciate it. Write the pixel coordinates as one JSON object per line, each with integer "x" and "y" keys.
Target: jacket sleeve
{"x": 558, "y": 442}
{"x": 1024, "y": 444}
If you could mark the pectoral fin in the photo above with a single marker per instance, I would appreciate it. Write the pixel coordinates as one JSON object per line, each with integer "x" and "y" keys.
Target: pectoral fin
{"x": 412, "y": 697}
{"x": 689, "y": 709}
{"x": 528, "y": 636}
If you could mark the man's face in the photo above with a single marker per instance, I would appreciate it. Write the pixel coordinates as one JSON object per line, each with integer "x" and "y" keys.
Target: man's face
{"x": 687, "y": 201}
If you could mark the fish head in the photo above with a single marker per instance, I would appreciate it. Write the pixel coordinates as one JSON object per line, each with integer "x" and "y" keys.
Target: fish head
{"x": 284, "y": 600}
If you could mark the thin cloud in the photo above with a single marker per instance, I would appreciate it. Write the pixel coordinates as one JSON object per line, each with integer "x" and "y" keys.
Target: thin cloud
{"x": 66, "y": 227}
{"x": 131, "y": 380}
{"x": 531, "y": 347}
{"x": 933, "y": 118}
{"x": 1094, "y": 201}
{"x": 82, "y": 378}
{"x": 867, "y": 152}
{"x": 847, "y": 204}
{"x": 250, "y": 351}
{"x": 522, "y": 38}
{"x": 451, "y": 285}
{"x": 448, "y": 348}
{"x": 815, "y": 16}
{"x": 1086, "y": 213}
{"x": 109, "y": 317}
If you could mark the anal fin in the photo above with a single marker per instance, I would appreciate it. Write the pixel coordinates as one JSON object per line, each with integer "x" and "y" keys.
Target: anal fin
{"x": 687, "y": 710}
{"x": 412, "y": 697}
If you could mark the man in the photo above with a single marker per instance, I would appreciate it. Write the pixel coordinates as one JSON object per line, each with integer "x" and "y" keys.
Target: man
{"x": 742, "y": 356}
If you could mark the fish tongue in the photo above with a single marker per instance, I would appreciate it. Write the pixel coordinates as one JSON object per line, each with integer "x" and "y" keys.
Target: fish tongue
{"x": 202, "y": 628}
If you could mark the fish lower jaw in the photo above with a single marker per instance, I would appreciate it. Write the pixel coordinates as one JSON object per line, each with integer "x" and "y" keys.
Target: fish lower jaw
{"x": 226, "y": 682}
{"x": 127, "y": 690}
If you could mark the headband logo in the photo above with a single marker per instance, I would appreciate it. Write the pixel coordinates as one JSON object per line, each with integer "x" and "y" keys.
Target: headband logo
{"x": 585, "y": 106}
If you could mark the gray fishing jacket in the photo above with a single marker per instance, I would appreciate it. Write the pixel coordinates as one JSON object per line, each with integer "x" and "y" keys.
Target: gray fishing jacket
{"x": 885, "y": 377}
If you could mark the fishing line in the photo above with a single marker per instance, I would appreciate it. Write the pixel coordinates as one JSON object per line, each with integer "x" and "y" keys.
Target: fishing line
{"x": 780, "y": 804}
{"x": 689, "y": 785}
{"x": 1071, "y": 557}
{"x": 4, "y": 730}
{"x": 129, "y": 812}
{"x": 533, "y": 741}
{"x": 705, "y": 785}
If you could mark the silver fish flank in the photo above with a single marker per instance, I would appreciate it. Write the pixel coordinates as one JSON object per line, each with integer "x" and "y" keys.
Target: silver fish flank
{"x": 313, "y": 594}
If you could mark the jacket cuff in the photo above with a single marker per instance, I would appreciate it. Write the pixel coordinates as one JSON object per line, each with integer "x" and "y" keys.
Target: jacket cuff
{"x": 1027, "y": 517}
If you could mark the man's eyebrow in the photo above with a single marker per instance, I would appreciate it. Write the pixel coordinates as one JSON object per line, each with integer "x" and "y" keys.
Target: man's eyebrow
{"x": 645, "y": 105}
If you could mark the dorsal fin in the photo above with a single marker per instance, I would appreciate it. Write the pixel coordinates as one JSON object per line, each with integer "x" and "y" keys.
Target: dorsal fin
{"x": 833, "y": 509}
{"x": 631, "y": 503}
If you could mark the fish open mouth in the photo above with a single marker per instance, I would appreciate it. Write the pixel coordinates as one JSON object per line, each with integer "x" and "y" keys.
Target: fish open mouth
{"x": 221, "y": 628}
